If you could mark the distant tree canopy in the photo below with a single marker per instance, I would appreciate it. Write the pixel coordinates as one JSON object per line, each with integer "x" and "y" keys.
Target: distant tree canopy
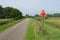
{"x": 54, "y": 15}
{"x": 50, "y": 15}
{"x": 36, "y": 15}
{"x": 29, "y": 16}
{"x": 9, "y": 12}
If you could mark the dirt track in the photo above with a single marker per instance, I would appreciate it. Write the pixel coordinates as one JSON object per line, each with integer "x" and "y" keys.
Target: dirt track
{"x": 16, "y": 32}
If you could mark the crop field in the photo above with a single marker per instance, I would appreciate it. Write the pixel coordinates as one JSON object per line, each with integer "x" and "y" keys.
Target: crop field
{"x": 50, "y": 30}
{"x": 7, "y": 23}
{"x": 4, "y": 21}
{"x": 55, "y": 22}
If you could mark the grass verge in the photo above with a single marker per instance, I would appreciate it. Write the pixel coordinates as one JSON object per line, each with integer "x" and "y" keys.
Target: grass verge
{"x": 30, "y": 32}
{"x": 4, "y": 27}
{"x": 38, "y": 32}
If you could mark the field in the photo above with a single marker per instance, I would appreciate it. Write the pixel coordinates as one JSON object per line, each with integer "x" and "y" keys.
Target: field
{"x": 50, "y": 30}
{"x": 6, "y": 23}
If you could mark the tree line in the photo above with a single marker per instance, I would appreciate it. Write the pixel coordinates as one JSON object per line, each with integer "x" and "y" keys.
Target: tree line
{"x": 50, "y": 15}
{"x": 54, "y": 15}
{"x": 10, "y": 12}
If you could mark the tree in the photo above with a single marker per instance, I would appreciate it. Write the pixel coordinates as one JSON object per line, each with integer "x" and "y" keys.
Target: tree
{"x": 9, "y": 12}
{"x": 36, "y": 15}
{"x": 1, "y": 11}
{"x": 27, "y": 15}
{"x": 16, "y": 14}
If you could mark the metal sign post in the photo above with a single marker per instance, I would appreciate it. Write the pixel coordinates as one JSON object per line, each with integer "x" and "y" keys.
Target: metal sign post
{"x": 42, "y": 15}
{"x": 42, "y": 20}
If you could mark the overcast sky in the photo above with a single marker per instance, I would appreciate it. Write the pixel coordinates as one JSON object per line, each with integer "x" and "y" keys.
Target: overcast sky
{"x": 33, "y": 7}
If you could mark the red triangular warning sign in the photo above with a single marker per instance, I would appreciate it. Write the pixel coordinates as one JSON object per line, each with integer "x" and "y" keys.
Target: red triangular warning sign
{"x": 43, "y": 13}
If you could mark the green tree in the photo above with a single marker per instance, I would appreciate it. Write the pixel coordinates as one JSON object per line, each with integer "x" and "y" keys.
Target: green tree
{"x": 9, "y": 12}
{"x": 1, "y": 11}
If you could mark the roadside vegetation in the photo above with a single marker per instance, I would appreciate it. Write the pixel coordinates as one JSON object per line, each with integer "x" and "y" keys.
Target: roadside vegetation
{"x": 5, "y": 21}
{"x": 50, "y": 30}
{"x": 9, "y": 24}
{"x": 30, "y": 32}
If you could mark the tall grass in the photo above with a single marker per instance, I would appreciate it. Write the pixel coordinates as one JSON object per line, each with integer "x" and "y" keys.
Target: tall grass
{"x": 10, "y": 24}
{"x": 5, "y": 21}
{"x": 30, "y": 32}
{"x": 50, "y": 30}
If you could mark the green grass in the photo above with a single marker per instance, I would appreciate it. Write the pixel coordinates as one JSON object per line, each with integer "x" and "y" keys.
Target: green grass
{"x": 5, "y": 26}
{"x": 50, "y": 30}
{"x": 30, "y": 33}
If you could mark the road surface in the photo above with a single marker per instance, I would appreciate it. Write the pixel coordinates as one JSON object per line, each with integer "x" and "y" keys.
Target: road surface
{"x": 16, "y": 32}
